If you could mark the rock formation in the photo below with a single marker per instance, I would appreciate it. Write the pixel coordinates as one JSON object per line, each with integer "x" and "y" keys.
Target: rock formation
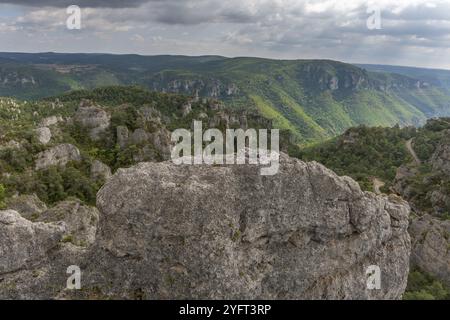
{"x": 59, "y": 155}
{"x": 441, "y": 157}
{"x": 99, "y": 170}
{"x": 198, "y": 232}
{"x": 43, "y": 135}
{"x": 29, "y": 206}
{"x": 51, "y": 121}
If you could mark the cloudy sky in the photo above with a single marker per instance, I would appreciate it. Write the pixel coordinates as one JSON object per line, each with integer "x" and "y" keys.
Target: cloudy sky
{"x": 413, "y": 32}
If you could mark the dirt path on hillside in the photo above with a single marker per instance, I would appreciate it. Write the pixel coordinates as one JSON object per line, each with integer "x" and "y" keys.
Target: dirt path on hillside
{"x": 412, "y": 152}
{"x": 377, "y": 184}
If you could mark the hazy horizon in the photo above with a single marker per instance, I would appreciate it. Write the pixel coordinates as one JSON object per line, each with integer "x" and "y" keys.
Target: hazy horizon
{"x": 410, "y": 33}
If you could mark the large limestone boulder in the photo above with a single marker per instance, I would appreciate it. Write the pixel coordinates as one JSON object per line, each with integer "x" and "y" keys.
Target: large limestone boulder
{"x": 430, "y": 246}
{"x": 139, "y": 136}
{"x": 93, "y": 118}
{"x": 186, "y": 109}
{"x": 122, "y": 136}
{"x": 80, "y": 221}
{"x": 29, "y": 206}
{"x": 12, "y": 144}
{"x": 197, "y": 232}
{"x": 23, "y": 243}
{"x": 161, "y": 140}
{"x": 59, "y": 155}
{"x": 440, "y": 160}
{"x": 227, "y": 232}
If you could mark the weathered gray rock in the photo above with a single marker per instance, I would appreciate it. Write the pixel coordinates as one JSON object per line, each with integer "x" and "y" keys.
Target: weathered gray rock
{"x": 430, "y": 239}
{"x": 12, "y": 144}
{"x": 80, "y": 220}
{"x": 161, "y": 140}
{"x": 227, "y": 232}
{"x": 122, "y": 136}
{"x": 43, "y": 134}
{"x": 92, "y": 118}
{"x": 401, "y": 182}
{"x": 29, "y": 206}
{"x": 99, "y": 170}
{"x": 51, "y": 121}
{"x": 24, "y": 243}
{"x": 170, "y": 231}
{"x": 139, "y": 136}
{"x": 149, "y": 115}
{"x": 441, "y": 157}
{"x": 59, "y": 155}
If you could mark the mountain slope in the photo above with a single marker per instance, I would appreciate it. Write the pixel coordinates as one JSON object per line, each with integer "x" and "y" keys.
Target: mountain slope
{"x": 314, "y": 99}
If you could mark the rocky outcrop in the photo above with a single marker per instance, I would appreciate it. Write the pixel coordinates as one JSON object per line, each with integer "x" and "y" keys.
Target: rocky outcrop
{"x": 161, "y": 140}
{"x": 93, "y": 118}
{"x": 186, "y": 109}
{"x": 80, "y": 221}
{"x": 154, "y": 145}
{"x": 59, "y": 155}
{"x": 198, "y": 232}
{"x": 100, "y": 171}
{"x": 29, "y": 206}
{"x": 401, "y": 182}
{"x": 43, "y": 135}
{"x": 24, "y": 243}
{"x": 197, "y": 86}
{"x": 12, "y": 144}
{"x": 51, "y": 121}
{"x": 430, "y": 246}
{"x": 440, "y": 160}
{"x": 229, "y": 233}
{"x": 139, "y": 136}
{"x": 122, "y": 136}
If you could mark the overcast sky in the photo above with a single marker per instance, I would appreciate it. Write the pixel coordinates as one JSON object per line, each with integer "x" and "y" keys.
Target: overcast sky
{"x": 413, "y": 32}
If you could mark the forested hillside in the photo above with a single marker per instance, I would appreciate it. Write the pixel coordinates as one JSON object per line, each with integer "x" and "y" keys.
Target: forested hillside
{"x": 314, "y": 99}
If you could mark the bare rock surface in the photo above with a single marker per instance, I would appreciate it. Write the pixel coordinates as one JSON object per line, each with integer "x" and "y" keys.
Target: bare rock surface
{"x": 101, "y": 171}
{"x": 23, "y": 243}
{"x": 29, "y": 206}
{"x": 92, "y": 118}
{"x": 430, "y": 246}
{"x": 440, "y": 160}
{"x": 199, "y": 232}
{"x": 51, "y": 121}
{"x": 43, "y": 134}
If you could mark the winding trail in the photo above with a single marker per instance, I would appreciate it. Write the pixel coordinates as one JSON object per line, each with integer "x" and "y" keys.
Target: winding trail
{"x": 412, "y": 152}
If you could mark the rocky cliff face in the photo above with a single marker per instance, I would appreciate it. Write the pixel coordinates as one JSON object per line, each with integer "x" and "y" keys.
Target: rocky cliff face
{"x": 169, "y": 231}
